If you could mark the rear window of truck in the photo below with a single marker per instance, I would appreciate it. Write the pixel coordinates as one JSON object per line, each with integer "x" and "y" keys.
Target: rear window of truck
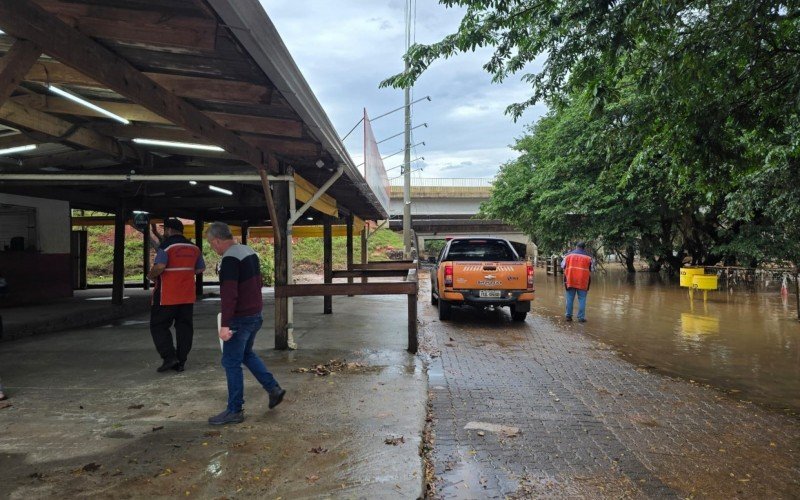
{"x": 480, "y": 250}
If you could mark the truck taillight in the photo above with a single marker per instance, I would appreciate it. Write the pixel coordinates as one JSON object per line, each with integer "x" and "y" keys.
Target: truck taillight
{"x": 448, "y": 275}
{"x": 530, "y": 276}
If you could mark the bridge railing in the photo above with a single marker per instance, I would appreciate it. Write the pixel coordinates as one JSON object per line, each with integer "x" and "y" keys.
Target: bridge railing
{"x": 446, "y": 182}
{"x": 428, "y": 187}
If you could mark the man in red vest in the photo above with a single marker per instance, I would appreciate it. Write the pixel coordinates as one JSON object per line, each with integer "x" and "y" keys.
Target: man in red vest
{"x": 578, "y": 266}
{"x": 174, "y": 268}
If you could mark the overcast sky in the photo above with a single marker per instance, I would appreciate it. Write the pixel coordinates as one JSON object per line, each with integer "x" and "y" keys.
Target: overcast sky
{"x": 346, "y": 48}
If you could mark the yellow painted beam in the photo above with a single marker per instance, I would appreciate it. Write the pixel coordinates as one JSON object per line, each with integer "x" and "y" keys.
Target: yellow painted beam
{"x": 304, "y": 190}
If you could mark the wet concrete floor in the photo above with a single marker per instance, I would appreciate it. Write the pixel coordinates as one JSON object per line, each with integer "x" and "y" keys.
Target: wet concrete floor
{"x": 540, "y": 409}
{"x": 744, "y": 341}
{"x": 90, "y": 416}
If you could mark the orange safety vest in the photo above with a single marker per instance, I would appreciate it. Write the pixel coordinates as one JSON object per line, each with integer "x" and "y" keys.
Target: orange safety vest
{"x": 577, "y": 271}
{"x": 177, "y": 280}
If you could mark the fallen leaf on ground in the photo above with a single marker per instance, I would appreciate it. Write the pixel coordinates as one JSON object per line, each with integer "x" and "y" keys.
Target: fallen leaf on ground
{"x": 395, "y": 440}
{"x": 90, "y": 467}
{"x": 481, "y": 433}
{"x": 212, "y": 433}
{"x": 332, "y": 366}
{"x": 135, "y": 407}
{"x": 158, "y": 428}
{"x": 318, "y": 450}
{"x": 312, "y": 478}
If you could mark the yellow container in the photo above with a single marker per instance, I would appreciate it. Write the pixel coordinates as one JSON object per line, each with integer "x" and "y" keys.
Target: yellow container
{"x": 687, "y": 273}
{"x": 704, "y": 281}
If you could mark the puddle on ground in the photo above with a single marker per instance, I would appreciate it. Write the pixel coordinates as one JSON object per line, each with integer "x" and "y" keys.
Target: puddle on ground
{"x": 740, "y": 339}
{"x": 214, "y": 467}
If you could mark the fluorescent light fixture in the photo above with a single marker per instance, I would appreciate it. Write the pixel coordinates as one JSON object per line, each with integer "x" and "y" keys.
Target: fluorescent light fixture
{"x": 309, "y": 218}
{"x": 220, "y": 190}
{"x": 83, "y": 102}
{"x": 173, "y": 144}
{"x": 17, "y": 149}
{"x": 193, "y": 183}
{"x": 140, "y": 212}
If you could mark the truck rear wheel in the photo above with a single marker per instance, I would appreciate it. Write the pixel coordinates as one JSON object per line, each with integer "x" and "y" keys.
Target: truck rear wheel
{"x": 434, "y": 300}
{"x": 518, "y": 316}
{"x": 445, "y": 310}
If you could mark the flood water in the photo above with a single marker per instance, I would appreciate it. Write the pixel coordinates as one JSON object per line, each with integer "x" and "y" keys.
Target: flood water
{"x": 744, "y": 341}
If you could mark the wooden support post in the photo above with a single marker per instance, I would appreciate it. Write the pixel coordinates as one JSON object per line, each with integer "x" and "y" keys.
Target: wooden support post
{"x": 364, "y": 254}
{"x": 412, "y": 323}
{"x": 198, "y": 240}
{"x": 281, "y": 199}
{"x": 327, "y": 261}
{"x": 349, "y": 225}
{"x": 146, "y": 257}
{"x": 118, "y": 287}
{"x": 245, "y": 232}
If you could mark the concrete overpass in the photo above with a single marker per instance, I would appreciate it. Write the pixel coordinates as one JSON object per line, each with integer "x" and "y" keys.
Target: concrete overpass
{"x": 443, "y": 207}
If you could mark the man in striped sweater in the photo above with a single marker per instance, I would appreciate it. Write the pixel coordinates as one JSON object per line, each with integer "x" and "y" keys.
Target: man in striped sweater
{"x": 240, "y": 291}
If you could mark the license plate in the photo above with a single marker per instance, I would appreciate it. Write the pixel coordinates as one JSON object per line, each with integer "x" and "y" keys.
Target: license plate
{"x": 490, "y": 293}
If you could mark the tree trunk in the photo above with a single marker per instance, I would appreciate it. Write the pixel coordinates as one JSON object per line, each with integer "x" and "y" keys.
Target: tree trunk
{"x": 630, "y": 256}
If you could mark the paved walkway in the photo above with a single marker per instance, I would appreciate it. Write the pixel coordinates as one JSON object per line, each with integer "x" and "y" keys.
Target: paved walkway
{"x": 91, "y": 417}
{"x": 539, "y": 409}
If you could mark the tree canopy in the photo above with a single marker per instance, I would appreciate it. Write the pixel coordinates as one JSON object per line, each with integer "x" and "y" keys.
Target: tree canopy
{"x": 673, "y": 127}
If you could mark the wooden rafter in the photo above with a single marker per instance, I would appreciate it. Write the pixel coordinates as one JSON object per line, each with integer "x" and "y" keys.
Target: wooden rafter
{"x": 151, "y": 27}
{"x": 193, "y": 87}
{"x": 14, "y": 65}
{"x": 62, "y": 130}
{"x": 252, "y": 124}
{"x": 24, "y": 19}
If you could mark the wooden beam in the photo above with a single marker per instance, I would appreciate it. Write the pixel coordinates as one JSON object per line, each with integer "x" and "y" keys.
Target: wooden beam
{"x": 318, "y": 289}
{"x": 59, "y": 105}
{"x": 193, "y": 87}
{"x": 327, "y": 261}
{"x": 61, "y": 130}
{"x": 370, "y": 273}
{"x": 15, "y": 64}
{"x": 392, "y": 265}
{"x": 213, "y": 89}
{"x": 280, "y": 127}
{"x": 150, "y": 27}
{"x": 62, "y": 159}
{"x": 12, "y": 141}
{"x": 281, "y": 264}
{"x": 24, "y": 19}
{"x": 279, "y": 146}
{"x": 119, "y": 256}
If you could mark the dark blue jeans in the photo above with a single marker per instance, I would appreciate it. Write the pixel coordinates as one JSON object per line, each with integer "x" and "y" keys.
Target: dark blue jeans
{"x": 238, "y": 351}
{"x": 581, "y": 302}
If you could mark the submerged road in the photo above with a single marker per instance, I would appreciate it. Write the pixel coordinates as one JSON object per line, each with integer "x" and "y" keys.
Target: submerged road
{"x": 539, "y": 408}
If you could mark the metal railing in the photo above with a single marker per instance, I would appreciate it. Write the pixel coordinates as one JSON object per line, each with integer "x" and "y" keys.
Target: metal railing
{"x": 446, "y": 182}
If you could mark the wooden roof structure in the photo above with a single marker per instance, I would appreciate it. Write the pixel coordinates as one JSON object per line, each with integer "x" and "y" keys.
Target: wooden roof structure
{"x": 211, "y": 72}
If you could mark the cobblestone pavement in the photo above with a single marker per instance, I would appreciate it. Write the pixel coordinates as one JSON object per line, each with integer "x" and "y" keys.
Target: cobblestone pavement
{"x": 582, "y": 422}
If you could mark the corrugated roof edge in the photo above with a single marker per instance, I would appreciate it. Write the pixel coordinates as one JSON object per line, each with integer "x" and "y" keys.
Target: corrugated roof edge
{"x": 254, "y": 29}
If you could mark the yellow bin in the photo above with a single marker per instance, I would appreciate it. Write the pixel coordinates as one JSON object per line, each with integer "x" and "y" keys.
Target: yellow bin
{"x": 687, "y": 273}
{"x": 704, "y": 281}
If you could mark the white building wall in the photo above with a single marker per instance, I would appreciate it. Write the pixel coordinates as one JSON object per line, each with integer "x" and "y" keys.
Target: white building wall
{"x": 53, "y": 224}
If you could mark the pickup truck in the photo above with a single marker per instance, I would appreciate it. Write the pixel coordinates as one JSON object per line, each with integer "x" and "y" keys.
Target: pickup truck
{"x": 482, "y": 273}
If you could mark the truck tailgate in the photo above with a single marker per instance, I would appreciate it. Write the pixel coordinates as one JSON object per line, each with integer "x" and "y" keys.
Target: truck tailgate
{"x": 490, "y": 275}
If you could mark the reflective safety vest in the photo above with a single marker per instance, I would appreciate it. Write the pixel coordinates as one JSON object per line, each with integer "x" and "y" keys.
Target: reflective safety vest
{"x": 177, "y": 281}
{"x": 577, "y": 271}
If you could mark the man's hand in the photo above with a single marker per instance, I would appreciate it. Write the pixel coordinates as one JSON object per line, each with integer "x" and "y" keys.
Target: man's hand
{"x": 225, "y": 333}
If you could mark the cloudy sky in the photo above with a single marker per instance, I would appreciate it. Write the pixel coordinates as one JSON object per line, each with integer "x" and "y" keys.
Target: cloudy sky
{"x": 346, "y": 48}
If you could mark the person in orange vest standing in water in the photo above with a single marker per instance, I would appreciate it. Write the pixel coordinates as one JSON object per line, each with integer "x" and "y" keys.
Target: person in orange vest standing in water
{"x": 177, "y": 262}
{"x": 578, "y": 266}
